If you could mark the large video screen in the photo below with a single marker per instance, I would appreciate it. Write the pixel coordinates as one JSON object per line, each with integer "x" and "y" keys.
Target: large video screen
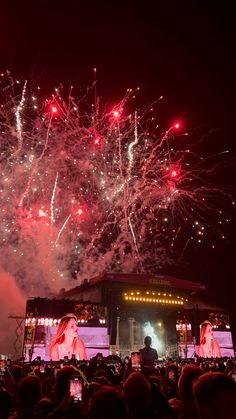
{"x": 215, "y": 338}
{"x": 59, "y": 329}
{"x": 210, "y": 338}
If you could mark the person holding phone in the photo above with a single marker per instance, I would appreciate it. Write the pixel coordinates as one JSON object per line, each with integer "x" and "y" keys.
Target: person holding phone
{"x": 66, "y": 343}
{"x": 208, "y": 347}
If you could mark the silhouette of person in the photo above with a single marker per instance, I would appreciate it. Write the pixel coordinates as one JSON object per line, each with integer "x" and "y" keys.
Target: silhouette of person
{"x": 148, "y": 355}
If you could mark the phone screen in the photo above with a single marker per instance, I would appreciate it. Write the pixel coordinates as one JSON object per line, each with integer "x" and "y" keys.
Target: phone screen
{"x": 2, "y": 364}
{"x": 41, "y": 368}
{"x": 171, "y": 375}
{"x": 76, "y": 388}
{"x": 135, "y": 361}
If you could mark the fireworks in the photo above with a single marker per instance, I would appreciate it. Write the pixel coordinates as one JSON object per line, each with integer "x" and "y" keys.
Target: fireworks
{"x": 84, "y": 190}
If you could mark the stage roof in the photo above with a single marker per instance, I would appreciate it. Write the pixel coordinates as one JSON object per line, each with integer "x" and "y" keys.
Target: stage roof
{"x": 162, "y": 281}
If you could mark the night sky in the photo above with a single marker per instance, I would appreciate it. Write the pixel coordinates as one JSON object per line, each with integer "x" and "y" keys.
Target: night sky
{"x": 184, "y": 51}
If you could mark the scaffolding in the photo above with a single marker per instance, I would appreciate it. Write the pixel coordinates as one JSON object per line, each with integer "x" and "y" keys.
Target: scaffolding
{"x": 19, "y": 336}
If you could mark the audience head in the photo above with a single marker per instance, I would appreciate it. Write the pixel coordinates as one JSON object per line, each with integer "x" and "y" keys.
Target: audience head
{"x": 44, "y": 408}
{"x": 137, "y": 392}
{"x": 62, "y": 381}
{"x": 29, "y": 391}
{"x": 106, "y": 403}
{"x": 17, "y": 373}
{"x": 215, "y": 395}
{"x": 188, "y": 374}
{"x": 147, "y": 341}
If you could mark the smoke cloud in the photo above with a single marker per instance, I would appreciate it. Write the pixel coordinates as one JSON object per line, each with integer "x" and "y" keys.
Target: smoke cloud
{"x": 12, "y": 303}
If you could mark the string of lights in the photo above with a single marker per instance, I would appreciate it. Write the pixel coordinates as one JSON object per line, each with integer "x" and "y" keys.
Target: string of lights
{"x": 153, "y": 297}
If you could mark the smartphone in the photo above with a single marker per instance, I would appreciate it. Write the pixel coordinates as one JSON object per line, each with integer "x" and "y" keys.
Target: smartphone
{"x": 171, "y": 375}
{"x": 76, "y": 388}
{"x": 41, "y": 368}
{"x": 3, "y": 365}
{"x": 135, "y": 361}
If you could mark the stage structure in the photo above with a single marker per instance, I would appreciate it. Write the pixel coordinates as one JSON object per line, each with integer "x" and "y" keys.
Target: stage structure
{"x": 116, "y": 311}
{"x": 168, "y": 309}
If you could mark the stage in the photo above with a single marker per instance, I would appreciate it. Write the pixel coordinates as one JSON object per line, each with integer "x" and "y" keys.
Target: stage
{"x": 116, "y": 311}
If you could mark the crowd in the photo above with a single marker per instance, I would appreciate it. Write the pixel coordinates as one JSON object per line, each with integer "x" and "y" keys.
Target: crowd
{"x": 110, "y": 388}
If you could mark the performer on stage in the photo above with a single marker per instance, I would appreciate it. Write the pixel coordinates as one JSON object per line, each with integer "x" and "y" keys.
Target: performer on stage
{"x": 208, "y": 347}
{"x": 66, "y": 341}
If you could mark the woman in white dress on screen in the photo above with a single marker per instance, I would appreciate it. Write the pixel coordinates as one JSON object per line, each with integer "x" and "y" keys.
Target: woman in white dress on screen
{"x": 66, "y": 342}
{"x": 208, "y": 347}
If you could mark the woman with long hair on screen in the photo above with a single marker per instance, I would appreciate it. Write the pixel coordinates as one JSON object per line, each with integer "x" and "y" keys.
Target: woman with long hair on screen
{"x": 66, "y": 342}
{"x": 208, "y": 347}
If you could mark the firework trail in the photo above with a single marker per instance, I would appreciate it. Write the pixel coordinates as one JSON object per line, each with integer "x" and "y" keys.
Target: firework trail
{"x": 85, "y": 190}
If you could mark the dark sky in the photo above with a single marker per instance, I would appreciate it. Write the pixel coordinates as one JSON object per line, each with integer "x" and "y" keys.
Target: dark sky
{"x": 184, "y": 50}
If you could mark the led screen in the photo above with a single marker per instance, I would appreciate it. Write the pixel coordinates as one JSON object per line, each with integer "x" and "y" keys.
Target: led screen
{"x": 80, "y": 330}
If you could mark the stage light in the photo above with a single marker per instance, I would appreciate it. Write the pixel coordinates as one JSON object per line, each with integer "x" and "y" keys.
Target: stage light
{"x": 146, "y": 298}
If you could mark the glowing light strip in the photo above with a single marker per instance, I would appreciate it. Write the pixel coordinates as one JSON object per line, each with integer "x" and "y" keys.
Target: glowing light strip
{"x": 61, "y": 230}
{"x": 131, "y": 146}
{"x": 154, "y": 297}
{"x": 45, "y": 321}
{"x": 18, "y": 117}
